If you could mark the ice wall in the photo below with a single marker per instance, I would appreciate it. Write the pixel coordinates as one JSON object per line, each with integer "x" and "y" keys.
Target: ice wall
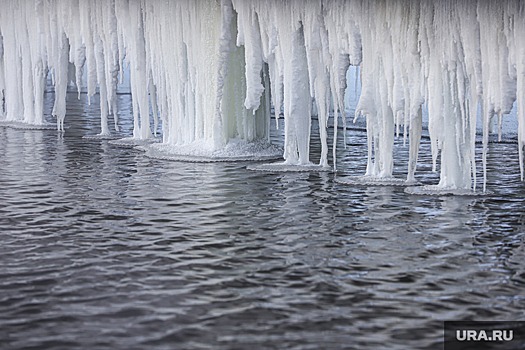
{"x": 208, "y": 70}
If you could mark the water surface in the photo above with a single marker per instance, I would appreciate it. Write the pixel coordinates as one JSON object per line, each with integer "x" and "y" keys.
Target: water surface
{"x": 103, "y": 248}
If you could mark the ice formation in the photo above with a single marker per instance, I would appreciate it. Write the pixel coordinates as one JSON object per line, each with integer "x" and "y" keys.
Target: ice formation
{"x": 210, "y": 71}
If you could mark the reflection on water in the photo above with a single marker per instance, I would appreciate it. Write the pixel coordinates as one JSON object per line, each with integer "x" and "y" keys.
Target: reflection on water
{"x": 104, "y": 248}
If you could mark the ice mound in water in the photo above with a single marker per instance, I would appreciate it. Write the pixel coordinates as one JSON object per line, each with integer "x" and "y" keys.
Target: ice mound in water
{"x": 283, "y": 167}
{"x": 435, "y": 190}
{"x": 236, "y": 150}
{"x": 100, "y": 137}
{"x": 374, "y": 181}
{"x": 130, "y": 142}
{"x": 26, "y": 126}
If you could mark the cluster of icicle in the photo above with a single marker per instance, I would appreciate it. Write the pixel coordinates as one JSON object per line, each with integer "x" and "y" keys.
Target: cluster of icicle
{"x": 210, "y": 69}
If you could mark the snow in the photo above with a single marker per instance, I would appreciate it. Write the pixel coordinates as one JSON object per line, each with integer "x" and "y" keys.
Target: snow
{"x": 209, "y": 72}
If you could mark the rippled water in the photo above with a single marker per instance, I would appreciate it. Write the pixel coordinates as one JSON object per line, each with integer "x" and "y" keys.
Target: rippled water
{"x": 103, "y": 248}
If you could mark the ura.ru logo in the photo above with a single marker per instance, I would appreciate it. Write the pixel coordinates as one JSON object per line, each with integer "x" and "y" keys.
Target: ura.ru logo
{"x": 482, "y": 335}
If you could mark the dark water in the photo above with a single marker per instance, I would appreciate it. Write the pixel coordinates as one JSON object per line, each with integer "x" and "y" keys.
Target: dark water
{"x": 102, "y": 248}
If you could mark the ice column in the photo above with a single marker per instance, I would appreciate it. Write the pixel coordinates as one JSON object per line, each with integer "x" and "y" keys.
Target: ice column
{"x": 131, "y": 17}
{"x": 188, "y": 54}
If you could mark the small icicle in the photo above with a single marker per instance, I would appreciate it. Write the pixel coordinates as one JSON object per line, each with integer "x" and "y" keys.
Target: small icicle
{"x": 154, "y": 106}
{"x": 334, "y": 144}
{"x": 500, "y": 125}
{"x": 415, "y": 140}
{"x": 486, "y": 122}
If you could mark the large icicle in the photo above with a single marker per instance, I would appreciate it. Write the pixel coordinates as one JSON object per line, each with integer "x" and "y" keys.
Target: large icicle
{"x": 2, "y": 79}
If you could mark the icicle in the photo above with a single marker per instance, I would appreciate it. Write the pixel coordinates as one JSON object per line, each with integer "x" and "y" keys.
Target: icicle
{"x": 211, "y": 70}
{"x": 519, "y": 29}
{"x": 296, "y": 101}
{"x": 154, "y": 106}
{"x": 61, "y": 65}
{"x": 2, "y": 78}
{"x": 415, "y": 138}
{"x": 334, "y": 144}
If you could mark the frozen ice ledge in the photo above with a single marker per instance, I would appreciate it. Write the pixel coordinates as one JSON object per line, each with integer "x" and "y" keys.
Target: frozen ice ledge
{"x": 209, "y": 71}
